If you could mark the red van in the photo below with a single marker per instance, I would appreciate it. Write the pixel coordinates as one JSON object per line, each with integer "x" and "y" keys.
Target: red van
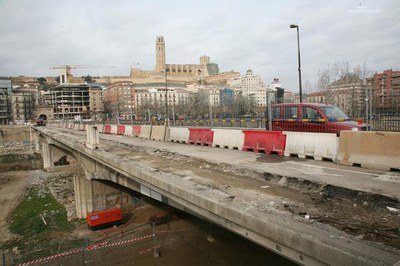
{"x": 311, "y": 117}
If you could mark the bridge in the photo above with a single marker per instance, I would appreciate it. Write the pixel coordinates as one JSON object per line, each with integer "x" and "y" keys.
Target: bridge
{"x": 240, "y": 191}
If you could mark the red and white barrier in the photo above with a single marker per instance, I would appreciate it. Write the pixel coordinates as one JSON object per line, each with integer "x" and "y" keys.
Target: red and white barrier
{"x": 266, "y": 141}
{"x": 179, "y": 134}
{"x": 228, "y": 138}
{"x": 201, "y": 136}
{"x": 315, "y": 145}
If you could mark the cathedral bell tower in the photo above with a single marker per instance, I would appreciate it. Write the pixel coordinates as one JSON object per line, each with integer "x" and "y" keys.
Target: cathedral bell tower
{"x": 160, "y": 54}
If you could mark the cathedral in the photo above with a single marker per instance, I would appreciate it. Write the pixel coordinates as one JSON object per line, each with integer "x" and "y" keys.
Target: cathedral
{"x": 176, "y": 72}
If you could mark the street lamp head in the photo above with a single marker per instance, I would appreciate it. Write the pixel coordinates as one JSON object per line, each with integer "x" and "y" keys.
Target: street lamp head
{"x": 292, "y": 26}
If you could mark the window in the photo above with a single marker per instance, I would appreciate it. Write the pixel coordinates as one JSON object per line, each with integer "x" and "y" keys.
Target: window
{"x": 289, "y": 112}
{"x": 310, "y": 113}
{"x": 276, "y": 114}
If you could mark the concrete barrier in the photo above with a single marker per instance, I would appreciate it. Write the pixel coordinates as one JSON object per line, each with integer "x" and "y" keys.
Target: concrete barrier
{"x": 316, "y": 145}
{"x": 114, "y": 130}
{"x": 201, "y": 136}
{"x": 145, "y": 132}
{"x": 158, "y": 133}
{"x": 228, "y": 138}
{"x": 128, "y": 131}
{"x": 179, "y": 134}
{"x": 266, "y": 141}
{"x": 376, "y": 150}
{"x": 100, "y": 128}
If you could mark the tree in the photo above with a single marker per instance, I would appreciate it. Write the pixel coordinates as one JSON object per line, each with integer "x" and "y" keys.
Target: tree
{"x": 43, "y": 83}
{"x": 42, "y": 80}
{"x": 88, "y": 79}
{"x": 344, "y": 86}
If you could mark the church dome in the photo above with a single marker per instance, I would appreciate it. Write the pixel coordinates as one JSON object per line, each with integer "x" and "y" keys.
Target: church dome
{"x": 249, "y": 72}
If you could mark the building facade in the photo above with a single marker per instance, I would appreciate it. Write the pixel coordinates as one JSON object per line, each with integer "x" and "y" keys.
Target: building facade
{"x": 23, "y": 104}
{"x": 5, "y": 102}
{"x": 385, "y": 91}
{"x": 252, "y": 87}
{"x": 120, "y": 100}
{"x": 72, "y": 101}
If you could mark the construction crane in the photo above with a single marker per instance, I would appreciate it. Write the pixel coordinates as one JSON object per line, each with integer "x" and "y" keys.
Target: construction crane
{"x": 66, "y": 71}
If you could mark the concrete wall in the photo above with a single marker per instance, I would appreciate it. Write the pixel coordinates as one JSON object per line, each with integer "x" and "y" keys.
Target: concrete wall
{"x": 14, "y": 134}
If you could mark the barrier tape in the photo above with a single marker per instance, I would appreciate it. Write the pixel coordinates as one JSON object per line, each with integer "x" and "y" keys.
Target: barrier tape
{"x": 149, "y": 249}
{"x": 64, "y": 254}
{"x": 95, "y": 246}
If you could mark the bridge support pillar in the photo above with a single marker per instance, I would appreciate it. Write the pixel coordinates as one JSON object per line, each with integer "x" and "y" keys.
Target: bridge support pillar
{"x": 47, "y": 155}
{"x": 92, "y": 137}
{"x": 83, "y": 196}
{"x": 34, "y": 138}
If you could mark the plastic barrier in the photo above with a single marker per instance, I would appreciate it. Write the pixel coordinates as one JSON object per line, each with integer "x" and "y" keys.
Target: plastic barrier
{"x": 120, "y": 129}
{"x": 377, "y": 150}
{"x": 158, "y": 133}
{"x": 100, "y": 128}
{"x": 228, "y": 138}
{"x": 145, "y": 132}
{"x": 76, "y": 126}
{"x": 316, "y": 145}
{"x": 82, "y": 127}
{"x": 179, "y": 134}
{"x": 266, "y": 141}
{"x": 107, "y": 129}
{"x": 201, "y": 136}
{"x": 114, "y": 129}
{"x": 137, "y": 130}
{"x": 128, "y": 131}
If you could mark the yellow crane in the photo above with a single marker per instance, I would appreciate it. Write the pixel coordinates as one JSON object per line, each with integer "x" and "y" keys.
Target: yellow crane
{"x": 66, "y": 70}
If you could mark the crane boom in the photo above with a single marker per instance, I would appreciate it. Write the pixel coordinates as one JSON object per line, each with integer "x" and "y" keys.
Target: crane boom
{"x": 66, "y": 70}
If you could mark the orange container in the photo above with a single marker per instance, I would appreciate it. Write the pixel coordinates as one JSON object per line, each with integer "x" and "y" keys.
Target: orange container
{"x": 104, "y": 218}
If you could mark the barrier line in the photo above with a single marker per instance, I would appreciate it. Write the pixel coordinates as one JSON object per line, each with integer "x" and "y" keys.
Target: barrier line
{"x": 104, "y": 244}
{"x": 149, "y": 249}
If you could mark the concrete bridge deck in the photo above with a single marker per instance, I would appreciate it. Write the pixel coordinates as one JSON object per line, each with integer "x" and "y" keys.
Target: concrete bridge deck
{"x": 258, "y": 196}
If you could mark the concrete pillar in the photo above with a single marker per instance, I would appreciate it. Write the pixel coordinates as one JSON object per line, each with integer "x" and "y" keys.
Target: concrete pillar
{"x": 92, "y": 137}
{"x": 47, "y": 156}
{"x": 83, "y": 197}
{"x": 34, "y": 138}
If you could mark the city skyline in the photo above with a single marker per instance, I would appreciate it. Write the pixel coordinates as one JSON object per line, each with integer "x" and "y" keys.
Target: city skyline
{"x": 237, "y": 35}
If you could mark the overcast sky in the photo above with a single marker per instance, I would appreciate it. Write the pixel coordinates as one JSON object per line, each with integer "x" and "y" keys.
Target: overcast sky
{"x": 237, "y": 35}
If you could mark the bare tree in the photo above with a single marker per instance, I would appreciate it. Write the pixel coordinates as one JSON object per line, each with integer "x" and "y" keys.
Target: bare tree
{"x": 344, "y": 86}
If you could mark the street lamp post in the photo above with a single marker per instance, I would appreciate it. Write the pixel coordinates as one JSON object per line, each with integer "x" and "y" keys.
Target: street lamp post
{"x": 166, "y": 99}
{"x": 292, "y": 26}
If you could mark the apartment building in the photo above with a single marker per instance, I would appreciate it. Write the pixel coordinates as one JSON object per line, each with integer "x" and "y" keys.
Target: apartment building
{"x": 23, "y": 104}
{"x": 5, "y": 102}
{"x": 120, "y": 100}
{"x": 251, "y": 86}
{"x": 385, "y": 91}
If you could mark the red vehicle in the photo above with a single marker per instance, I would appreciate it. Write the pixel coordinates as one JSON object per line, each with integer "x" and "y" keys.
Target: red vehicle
{"x": 311, "y": 117}
{"x": 104, "y": 218}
